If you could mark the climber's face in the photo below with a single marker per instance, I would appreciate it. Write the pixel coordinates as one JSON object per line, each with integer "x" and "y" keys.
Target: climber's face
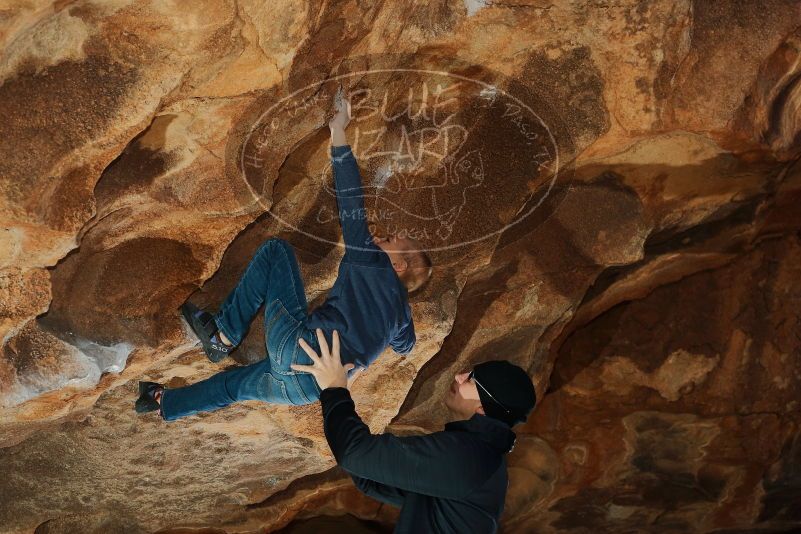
{"x": 462, "y": 397}
{"x": 396, "y": 248}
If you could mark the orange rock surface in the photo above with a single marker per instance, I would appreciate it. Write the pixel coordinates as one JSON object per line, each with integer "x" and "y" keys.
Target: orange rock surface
{"x": 610, "y": 192}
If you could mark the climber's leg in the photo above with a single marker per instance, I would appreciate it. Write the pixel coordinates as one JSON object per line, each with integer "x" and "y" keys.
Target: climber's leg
{"x": 269, "y": 380}
{"x": 272, "y": 274}
{"x": 272, "y": 278}
{"x": 250, "y": 382}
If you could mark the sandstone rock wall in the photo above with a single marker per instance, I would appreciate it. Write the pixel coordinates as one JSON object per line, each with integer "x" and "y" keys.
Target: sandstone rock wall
{"x": 651, "y": 286}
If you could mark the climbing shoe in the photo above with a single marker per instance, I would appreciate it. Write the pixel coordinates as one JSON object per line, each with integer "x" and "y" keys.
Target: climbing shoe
{"x": 148, "y": 395}
{"x": 202, "y": 324}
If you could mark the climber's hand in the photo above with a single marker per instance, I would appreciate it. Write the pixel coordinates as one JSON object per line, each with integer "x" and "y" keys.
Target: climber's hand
{"x": 327, "y": 368}
{"x": 342, "y": 117}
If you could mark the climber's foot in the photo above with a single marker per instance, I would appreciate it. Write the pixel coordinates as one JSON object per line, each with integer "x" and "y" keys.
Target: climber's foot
{"x": 149, "y": 397}
{"x": 202, "y": 324}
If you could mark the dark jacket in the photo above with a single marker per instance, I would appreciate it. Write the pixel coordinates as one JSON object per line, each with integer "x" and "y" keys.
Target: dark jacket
{"x": 368, "y": 304}
{"x": 450, "y": 481}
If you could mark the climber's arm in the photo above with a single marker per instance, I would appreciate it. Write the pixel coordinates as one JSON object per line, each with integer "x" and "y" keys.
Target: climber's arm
{"x": 350, "y": 200}
{"x": 348, "y": 184}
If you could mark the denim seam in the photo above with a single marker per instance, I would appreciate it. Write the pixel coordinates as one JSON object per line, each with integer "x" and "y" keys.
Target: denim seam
{"x": 283, "y": 342}
{"x": 300, "y": 389}
{"x": 269, "y": 327}
{"x": 224, "y": 327}
{"x": 292, "y": 277}
{"x": 268, "y": 375}
{"x": 227, "y": 391}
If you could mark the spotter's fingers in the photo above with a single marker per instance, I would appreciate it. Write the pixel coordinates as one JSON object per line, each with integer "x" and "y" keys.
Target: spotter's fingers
{"x": 323, "y": 344}
{"x": 335, "y": 345}
{"x": 310, "y": 351}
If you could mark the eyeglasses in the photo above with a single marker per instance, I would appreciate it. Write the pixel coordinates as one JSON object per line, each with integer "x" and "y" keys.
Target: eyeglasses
{"x": 472, "y": 377}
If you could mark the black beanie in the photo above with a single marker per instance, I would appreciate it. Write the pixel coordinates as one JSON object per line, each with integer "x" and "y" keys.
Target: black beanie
{"x": 510, "y": 386}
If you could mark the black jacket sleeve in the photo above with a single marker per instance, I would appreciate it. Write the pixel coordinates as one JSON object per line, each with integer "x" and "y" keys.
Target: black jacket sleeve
{"x": 380, "y": 492}
{"x": 442, "y": 464}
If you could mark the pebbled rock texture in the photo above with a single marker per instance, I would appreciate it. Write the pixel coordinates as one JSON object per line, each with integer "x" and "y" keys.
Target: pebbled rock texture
{"x": 610, "y": 192}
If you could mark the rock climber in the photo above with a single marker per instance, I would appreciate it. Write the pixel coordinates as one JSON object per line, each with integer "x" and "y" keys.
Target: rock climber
{"x": 369, "y": 304}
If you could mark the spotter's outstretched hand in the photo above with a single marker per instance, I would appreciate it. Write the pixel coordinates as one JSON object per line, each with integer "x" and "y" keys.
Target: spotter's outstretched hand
{"x": 327, "y": 368}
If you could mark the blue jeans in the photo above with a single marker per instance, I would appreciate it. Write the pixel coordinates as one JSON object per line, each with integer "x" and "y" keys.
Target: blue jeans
{"x": 271, "y": 279}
